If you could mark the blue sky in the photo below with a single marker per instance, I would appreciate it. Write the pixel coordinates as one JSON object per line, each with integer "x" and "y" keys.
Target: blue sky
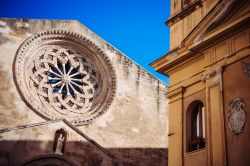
{"x": 135, "y": 27}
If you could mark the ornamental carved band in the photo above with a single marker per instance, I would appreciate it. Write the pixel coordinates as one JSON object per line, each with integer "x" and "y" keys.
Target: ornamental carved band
{"x": 63, "y": 75}
{"x": 236, "y": 116}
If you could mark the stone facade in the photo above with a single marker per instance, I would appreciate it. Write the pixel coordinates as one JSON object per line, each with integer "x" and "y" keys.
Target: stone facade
{"x": 208, "y": 68}
{"x": 114, "y": 111}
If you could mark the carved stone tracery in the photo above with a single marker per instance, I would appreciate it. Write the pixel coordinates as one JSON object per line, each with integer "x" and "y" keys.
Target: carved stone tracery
{"x": 64, "y": 79}
{"x": 64, "y": 75}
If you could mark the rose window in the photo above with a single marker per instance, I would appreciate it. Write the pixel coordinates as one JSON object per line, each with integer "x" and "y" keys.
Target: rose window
{"x": 65, "y": 77}
{"x": 68, "y": 80}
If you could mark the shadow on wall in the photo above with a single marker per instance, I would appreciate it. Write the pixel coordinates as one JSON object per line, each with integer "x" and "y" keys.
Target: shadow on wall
{"x": 78, "y": 153}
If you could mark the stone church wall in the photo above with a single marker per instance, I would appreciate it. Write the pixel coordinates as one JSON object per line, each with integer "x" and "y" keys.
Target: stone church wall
{"x": 236, "y": 104}
{"x": 134, "y": 127}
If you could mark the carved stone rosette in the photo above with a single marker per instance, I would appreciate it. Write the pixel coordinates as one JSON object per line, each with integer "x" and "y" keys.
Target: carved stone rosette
{"x": 236, "y": 116}
{"x": 63, "y": 75}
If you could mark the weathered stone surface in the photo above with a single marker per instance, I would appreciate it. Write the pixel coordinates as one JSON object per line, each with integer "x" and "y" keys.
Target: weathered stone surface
{"x": 21, "y": 145}
{"x": 134, "y": 127}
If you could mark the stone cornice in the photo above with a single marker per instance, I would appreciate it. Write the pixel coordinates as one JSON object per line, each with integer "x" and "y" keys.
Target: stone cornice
{"x": 213, "y": 19}
{"x": 160, "y": 62}
{"x": 236, "y": 5}
{"x": 168, "y": 64}
{"x": 235, "y": 29}
{"x": 184, "y": 12}
{"x": 175, "y": 92}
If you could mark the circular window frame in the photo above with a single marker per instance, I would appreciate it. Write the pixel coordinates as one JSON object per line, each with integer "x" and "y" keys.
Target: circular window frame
{"x": 70, "y": 39}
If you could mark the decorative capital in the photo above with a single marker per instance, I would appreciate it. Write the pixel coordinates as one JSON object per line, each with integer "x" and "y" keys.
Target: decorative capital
{"x": 209, "y": 74}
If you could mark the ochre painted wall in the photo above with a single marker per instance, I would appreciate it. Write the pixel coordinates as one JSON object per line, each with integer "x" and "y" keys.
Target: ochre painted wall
{"x": 206, "y": 66}
{"x": 236, "y": 84}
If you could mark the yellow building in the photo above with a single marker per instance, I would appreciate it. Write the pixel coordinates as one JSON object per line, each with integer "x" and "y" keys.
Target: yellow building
{"x": 208, "y": 66}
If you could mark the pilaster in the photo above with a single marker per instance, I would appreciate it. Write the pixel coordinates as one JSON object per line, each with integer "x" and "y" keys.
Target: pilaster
{"x": 175, "y": 127}
{"x": 215, "y": 117}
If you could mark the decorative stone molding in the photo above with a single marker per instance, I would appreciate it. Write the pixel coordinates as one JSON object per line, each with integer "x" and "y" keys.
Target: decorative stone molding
{"x": 225, "y": 17}
{"x": 63, "y": 75}
{"x": 186, "y": 10}
{"x": 221, "y": 36}
{"x": 246, "y": 69}
{"x": 236, "y": 115}
{"x": 177, "y": 92}
{"x": 210, "y": 74}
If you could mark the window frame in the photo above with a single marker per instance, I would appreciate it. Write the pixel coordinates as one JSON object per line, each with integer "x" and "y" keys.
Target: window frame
{"x": 195, "y": 141}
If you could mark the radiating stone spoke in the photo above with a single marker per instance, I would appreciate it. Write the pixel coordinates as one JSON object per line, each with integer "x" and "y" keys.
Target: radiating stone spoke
{"x": 72, "y": 88}
{"x": 60, "y": 90}
{"x": 51, "y": 71}
{"x": 74, "y": 74}
{"x": 71, "y": 68}
{"x": 75, "y": 79}
{"x": 51, "y": 78}
{"x": 57, "y": 68}
{"x": 64, "y": 71}
{"x": 53, "y": 85}
{"x": 76, "y": 84}
{"x": 67, "y": 87}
